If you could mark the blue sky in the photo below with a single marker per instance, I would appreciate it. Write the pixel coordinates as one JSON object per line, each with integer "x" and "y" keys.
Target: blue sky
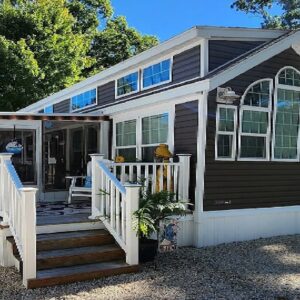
{"x": 166, "y": 18}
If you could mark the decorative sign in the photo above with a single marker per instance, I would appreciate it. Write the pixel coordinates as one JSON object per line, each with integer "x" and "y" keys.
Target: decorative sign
{"x": 14, "y": 147}
{"x": 168, "y": 235}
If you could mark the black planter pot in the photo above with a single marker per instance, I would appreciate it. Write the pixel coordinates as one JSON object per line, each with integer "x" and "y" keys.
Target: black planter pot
{"x": 148, "y": 250}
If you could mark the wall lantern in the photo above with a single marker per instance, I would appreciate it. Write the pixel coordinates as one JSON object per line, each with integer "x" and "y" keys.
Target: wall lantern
{"x": 226, "y": 95}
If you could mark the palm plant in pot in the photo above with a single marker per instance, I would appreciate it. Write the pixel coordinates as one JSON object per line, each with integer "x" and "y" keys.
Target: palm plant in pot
{"x": 153, "y": 209}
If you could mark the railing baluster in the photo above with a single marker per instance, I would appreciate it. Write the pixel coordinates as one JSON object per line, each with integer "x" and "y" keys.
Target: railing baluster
{"x": 176, "y": 179}
{"x": 154, "y": 170}
{"x": 118, "y": 211}
{"x": 161, "y": 177}
{"x": 169, "y": 178}
{"x": 123, "y": 218}
{"x": 113, "y": 205}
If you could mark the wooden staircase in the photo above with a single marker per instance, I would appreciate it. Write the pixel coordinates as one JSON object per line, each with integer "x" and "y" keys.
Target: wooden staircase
{"x": 68, "y": 257}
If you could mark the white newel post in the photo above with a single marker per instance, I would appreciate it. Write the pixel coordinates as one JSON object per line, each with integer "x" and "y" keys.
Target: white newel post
{"x": 96, "y": 184}
{"x": 184, "y": 176}
{"x": 132, "y": 240}
{"x": 29, "y": 233}
{"x": 3, "y": 188}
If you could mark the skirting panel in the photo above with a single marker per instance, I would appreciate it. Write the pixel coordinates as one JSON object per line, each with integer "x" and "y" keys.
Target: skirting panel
{"x": 217, "y": 227}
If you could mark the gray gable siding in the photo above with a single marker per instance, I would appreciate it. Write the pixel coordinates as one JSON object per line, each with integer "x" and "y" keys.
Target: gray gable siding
{"x": 186, "y": 65}
{"x": 62, "y": 107}
{"x": 221, "y": 52}
{"x": 249, "y": 184}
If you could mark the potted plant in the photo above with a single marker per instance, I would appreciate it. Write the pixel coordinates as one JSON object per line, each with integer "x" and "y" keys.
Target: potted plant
{"x": 153, "y": 209}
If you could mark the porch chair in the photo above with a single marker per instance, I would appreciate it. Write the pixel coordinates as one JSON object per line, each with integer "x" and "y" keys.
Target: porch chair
{"x": 81, "y": 191}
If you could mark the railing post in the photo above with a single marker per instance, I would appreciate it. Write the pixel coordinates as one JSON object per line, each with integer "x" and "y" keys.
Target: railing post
{"x": 29, "y": 233}
{"x": 96, "y": 184}
{"x": 3, "y": 188}
{"x": 131, "y": 238}
{"x": 184, "y": 176}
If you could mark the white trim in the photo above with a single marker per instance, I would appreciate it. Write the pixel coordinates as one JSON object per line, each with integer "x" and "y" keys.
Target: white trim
{"x": 289, "y": 88}
{"x": 231, "y": 133}
{"x": 152, "y": 64}
{"x": 204, "y": 58}
{"x": 267, "y": 110}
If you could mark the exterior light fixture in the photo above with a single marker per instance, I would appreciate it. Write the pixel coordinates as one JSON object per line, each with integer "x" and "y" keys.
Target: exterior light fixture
{"x": 226, "y": 95}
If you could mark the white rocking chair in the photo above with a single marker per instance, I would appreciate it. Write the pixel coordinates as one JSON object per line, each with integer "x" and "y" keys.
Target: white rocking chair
{"x": 80, "y": 191}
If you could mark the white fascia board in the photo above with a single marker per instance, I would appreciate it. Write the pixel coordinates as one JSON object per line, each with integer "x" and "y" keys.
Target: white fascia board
{"x": 162, "y": 49}
{"x": 170, "y": 95}
{"x": 253, "y": 61}
{"x": 239, "y": 33}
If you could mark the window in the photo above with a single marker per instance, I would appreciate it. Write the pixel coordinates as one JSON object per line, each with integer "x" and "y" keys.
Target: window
{"x": 225, "y": 131}
{"x": 254, "y": 129}
{"x": 154, "y": 132}
{"x": 48, "y": 109}
{"x": 127, "y": 84}
{"x": 286, "y": 115}
{"x": 157, "y": 74}
{"x": 126, "y": 140}
{"x": 84, "y": 100}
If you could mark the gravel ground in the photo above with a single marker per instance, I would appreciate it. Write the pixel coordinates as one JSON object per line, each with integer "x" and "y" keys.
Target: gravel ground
{"x": 261, "y": 269}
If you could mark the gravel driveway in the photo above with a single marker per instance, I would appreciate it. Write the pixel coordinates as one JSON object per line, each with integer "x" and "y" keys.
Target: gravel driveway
{"x": 261, "y": 269}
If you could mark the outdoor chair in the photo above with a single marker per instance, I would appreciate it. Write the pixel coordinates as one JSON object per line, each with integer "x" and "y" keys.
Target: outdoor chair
{"x": 83, "y": 190}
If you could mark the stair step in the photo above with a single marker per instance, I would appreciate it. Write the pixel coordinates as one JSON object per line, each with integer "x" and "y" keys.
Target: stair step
{"x": 78, "y": 256}
{"x": 66, "y": 275}
{"x": 73, "y": 239}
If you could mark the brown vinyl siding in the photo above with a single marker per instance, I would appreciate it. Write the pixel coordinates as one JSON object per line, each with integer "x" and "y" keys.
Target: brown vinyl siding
{"x": 221, "y": 52}
{"x": 62, "y": 107}
{"x": 186, "y": 65}
{"x": 185, "y": 136}
{"x": 249, "y": 184}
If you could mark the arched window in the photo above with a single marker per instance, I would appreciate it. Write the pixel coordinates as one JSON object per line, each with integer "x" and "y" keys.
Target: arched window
{"x": 254, "y": 130}
{"x": 286, "y": 115}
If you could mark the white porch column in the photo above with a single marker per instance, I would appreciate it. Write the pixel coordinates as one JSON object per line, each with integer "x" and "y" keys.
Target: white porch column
{"x": 3, "y": 199}
{"x": 96, "y": 184}
{"x": 184, "y": 176}
{"x": 29, "y": 233}
{"x": 132, "y": 240}
{"x": 104, "y": 138}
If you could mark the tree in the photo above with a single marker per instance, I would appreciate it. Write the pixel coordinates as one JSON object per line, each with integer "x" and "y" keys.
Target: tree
{"x": 290, "y": 18}
{"x": 116, "y": 43}
{"x": 47, "y": 45}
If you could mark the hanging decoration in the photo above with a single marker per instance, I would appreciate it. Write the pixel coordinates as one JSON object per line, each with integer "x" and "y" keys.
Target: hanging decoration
{"x": 14, "y": 146}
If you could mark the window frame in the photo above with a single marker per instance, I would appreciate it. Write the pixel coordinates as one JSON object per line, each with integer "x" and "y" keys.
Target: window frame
{"x": 88, "y": 106}
{"x": 279, "y": 86}
{"x": 138, "y": 117}
{"x": 138, "y": 71}
{"x": 232, "y": 133}
{"x": 142, "y": 88}
{"x": 267, "y": 110}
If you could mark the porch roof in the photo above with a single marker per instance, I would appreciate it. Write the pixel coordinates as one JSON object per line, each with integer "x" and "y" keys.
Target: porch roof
{"x": 92, "y": 117}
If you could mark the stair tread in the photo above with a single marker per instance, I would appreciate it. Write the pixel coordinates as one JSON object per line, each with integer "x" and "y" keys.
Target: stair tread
{"x": 71, "y": 234}
{"x": 80, "y": 269}
{"x": 76, "y": 251}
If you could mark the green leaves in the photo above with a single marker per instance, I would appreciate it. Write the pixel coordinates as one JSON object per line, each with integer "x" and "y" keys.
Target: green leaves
{"x": 290, "y": 18}
{"x": 47, "y": 45}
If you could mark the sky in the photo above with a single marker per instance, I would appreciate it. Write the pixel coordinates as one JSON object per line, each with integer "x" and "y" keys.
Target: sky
{"x": 166, "y": 18}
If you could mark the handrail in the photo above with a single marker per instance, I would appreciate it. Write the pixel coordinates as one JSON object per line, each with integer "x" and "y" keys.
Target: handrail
{"x": 14, "y": 175}
{"x": 112, "y": 177}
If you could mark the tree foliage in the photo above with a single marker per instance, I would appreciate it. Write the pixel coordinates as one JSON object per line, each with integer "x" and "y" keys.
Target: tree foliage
{"x": 47, "y": 45}
{"x": 289, "y": 19}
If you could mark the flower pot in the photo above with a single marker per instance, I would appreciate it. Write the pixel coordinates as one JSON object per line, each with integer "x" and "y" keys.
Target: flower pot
{"x": 147, "y": 250}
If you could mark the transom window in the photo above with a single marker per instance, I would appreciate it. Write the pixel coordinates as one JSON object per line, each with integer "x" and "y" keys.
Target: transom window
{"x": 289, "y": 76}
{"x": 48, "y": 109}
{"x": 128, "y": 84}
{"x": 225, "y": 137}
{"x": 84, "y": 99}
{"x": 157, "y": 74}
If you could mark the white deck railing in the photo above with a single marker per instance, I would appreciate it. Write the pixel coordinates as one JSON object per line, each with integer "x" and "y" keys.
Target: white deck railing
{"x": 115, "y": 193}
{"x": 114, "y": 203}
{"x": 18, "y": 210}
